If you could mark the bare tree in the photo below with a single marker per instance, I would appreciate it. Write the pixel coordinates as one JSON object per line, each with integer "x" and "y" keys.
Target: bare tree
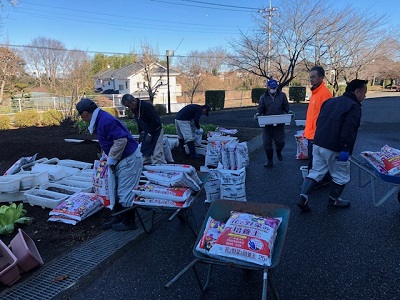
{"x": 11, "y": 65}
{"x": 76, "y": 78}
{"x": 193, "y": 69}
{"x": 354, "y": 42}
{"x": 299, "y": 22}
{"x": 151, "y": 69}
{"x": 46, "y": 57}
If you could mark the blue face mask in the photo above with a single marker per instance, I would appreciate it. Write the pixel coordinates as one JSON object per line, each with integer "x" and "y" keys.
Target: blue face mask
{"x": 272, "y": 91}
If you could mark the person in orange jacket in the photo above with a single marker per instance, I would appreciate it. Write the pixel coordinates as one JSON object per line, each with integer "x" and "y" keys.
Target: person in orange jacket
{"x": 319, "y": 94}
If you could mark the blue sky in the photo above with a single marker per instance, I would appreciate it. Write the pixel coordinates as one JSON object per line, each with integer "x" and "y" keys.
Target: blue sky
{"x": 121, "y": 26}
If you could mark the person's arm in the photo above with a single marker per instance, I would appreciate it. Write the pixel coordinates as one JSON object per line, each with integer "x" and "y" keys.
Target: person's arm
{"x": 197, "y": 116}
{"x": 116, "y": 151}
{"x": 349, "y": 129}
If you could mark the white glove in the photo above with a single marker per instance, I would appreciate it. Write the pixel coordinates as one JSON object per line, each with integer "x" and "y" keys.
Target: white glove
{"x": 111, "y": 161}
{"x": 255, "y": 116}
{"x": 201, "y": 130}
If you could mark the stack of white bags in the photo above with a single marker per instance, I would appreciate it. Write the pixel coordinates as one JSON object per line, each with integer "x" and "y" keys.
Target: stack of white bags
{"x": 226, "y": 161}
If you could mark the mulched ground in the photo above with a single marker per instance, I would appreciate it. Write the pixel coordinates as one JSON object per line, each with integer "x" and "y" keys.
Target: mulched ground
{"x": 52, "y": 239}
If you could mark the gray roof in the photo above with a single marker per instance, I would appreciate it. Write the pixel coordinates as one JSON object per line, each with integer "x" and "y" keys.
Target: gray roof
{"x": 129, "y": 70}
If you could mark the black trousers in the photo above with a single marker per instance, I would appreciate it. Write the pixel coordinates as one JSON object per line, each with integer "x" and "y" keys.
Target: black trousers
{"x": 274, "y": 134}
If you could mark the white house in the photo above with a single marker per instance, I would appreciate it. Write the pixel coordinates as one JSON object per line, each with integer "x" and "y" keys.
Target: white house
{"x": 131, "y": 80}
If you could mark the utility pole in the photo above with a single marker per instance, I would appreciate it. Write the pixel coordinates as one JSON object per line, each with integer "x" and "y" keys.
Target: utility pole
{"x": 269, "y": 12}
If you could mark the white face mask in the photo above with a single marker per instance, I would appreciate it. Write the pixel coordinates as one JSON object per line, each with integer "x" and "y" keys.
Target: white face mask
{"x": 272, "y": 91}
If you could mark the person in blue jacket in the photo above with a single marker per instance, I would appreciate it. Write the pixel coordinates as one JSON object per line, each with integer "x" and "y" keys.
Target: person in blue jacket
{"x": 123, "y": 158}
{"x": 150, "y": 128}
{"x": 187, "y": 125}
{"x": 335, "y": 135}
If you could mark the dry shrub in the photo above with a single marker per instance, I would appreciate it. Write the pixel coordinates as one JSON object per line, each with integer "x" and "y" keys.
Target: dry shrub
{"x": 52, "y": 117}
{"x": 5, "y": 122}
{"x": 27, "y": 118}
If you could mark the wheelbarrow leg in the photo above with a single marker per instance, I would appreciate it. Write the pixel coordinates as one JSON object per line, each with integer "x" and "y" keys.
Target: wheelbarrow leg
{"x": 265, "y": 285}
{"x": 147, "y": 230}
{"x": 196, "y": 274}
{"x": 274, "y": 288}
{"x": 184, "y": 270}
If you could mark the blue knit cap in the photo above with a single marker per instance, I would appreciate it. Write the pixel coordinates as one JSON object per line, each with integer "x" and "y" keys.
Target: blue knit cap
{"x": 272, "y": 83}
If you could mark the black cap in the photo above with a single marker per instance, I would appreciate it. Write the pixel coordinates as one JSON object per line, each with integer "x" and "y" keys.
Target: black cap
{"x": 85, "y": 105}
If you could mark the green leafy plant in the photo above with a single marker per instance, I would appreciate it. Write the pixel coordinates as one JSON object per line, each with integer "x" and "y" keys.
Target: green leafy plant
{"x": 169, "y": 128}
{"x": 132, "y": 127}
{"x": 82, "y": 126}
{"x": 11, "y": 215}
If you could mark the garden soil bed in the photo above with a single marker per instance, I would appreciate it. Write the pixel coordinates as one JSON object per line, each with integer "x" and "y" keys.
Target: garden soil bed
{"x": 53, "y": 239}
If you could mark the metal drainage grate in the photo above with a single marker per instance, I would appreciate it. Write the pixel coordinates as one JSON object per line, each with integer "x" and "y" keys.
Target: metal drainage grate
{"x": 78, "y": 263}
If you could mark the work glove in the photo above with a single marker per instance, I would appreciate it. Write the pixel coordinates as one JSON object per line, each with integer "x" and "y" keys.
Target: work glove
{"x": 148, "y": 138}
{"x": 255, "y": 116}
{"x": 292, "y": 113}
{"x": 111, "y": 163}
{"x": 198, "y": 131}
{"x": 343, "y": 156}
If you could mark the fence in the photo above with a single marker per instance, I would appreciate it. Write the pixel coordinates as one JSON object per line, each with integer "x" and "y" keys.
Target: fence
{"x": 66, "y": 104}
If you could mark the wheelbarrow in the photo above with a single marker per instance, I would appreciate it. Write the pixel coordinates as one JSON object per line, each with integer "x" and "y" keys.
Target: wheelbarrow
{"x": 374, "y": 177}
{"x": 220, "y": 210}
{"x": 184, "y": 213}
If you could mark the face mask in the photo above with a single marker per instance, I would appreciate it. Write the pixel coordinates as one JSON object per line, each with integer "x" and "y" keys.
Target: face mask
{"x": 272, "y": 91}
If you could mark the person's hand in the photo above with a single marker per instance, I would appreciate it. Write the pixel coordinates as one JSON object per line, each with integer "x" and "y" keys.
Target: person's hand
{"x": 148, "y": 138}
{"x": 255, "y": 116}
{"x": 198, "y": 131}
{"x": 292, "y": 113}
{"x": 344, "y": 156}
{"x": 103, "y": 157}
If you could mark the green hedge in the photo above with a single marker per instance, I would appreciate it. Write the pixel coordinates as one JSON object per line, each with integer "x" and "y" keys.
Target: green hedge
{"x": 27, "y": 118}
{"x": 216, "y": 99}
{"x": 297, "y": 93}
{"x": 256, "y": 93}
{"x": 5, "y": 122}
{"x": 52, "y": 118}
{"x": 160, "y": 109}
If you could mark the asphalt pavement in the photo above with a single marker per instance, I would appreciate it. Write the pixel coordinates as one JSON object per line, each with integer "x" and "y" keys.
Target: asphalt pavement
{"x": 327, "y": 254}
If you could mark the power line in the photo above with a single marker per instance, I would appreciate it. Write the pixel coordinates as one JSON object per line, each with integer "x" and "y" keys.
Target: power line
{"x": 217, "y": 8}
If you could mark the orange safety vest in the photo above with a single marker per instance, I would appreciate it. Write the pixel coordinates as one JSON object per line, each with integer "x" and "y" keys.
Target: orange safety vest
{"x": 318, "y": 96}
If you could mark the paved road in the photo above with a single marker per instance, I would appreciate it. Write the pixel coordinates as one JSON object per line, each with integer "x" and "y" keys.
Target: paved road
{"x": 327, "y": 254}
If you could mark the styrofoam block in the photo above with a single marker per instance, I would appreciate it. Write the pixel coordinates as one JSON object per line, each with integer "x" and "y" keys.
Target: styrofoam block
{"x": 274, "y": 119}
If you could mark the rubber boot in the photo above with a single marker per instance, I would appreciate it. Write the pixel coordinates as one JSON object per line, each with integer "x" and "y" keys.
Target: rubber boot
{"x": 115, "y": 219}
{"x": 306, "y": 190}
{"x": 192, "y": 150}
{"x": 279, "y": 154}
{"x": 182, "y": 145}
{"x": 128, "y": 222}
{"x": 270, "y": 154}
{"x": 334, "y": 196}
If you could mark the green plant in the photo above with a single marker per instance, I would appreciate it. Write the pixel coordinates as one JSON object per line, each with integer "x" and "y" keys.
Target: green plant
{"x": 297, "y": 93}
{"x": 256, "y": 93}
{"x": 132, "y": 127}
{"x": 82, "y": 126}
{"x": 169, "y": 129}
{"x": 216, "y": 99}
{"x": 11, "y": 215}
{"x": 5, "y": 122}
{"x": 208, "y": 127}
{"x": 27, "y": 118}
{"x": 52, "y": 117}
{"x": 161, "y": 109}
